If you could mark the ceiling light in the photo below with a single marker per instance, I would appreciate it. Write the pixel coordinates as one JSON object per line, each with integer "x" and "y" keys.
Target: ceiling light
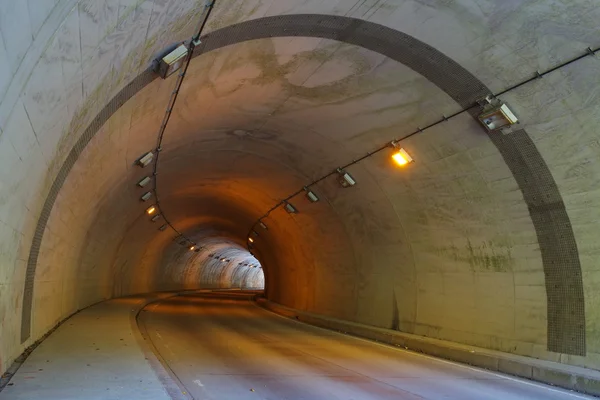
{"x": 146, "y": 196}
{"x": 251, "y": 240}
{"x": 254, "y": 233}
{"x": 262, "y": 225}
{"x": 172, "y": 61}
{"x": 155, "y": 218}
{"x": 151, "y": 210}
{"x": 346, "y": 180}
{"x": 311, "y": 195}
{"x": 497, "y": 116}
{"x": 290, "y": 208}
{"x": 162, "y": 227}
{"x": 192, "y": 248}
{"x": 401, "y": 157}
{"x": 146, "y": 159}
{"x": 145, "y": 180}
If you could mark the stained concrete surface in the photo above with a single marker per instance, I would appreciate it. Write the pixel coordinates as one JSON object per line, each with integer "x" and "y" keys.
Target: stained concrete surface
{"x": 445, "y": 248}
{"x": 97, "y": 354}
{"x": 227, "y": 348}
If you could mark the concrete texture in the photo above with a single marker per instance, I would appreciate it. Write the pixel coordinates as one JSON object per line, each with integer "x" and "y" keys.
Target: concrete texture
{"x": 245, "y": 352}
{"x": 578, "y": 379}
{"x": 446, "y": 248}
{"x": 98, "y": 353}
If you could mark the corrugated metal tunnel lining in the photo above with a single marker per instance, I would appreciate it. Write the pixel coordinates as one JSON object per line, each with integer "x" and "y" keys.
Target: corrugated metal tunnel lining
{"x": 478, "y": 242}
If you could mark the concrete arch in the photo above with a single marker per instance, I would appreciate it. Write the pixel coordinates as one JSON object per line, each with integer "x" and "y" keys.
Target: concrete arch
{"x": 566, "y": 314}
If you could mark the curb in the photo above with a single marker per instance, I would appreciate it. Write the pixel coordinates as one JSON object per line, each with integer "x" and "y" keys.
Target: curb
{"x": 568, "y": 377}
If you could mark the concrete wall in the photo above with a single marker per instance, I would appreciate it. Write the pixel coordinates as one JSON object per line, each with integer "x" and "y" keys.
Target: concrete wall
{"x": 445, "y": 248}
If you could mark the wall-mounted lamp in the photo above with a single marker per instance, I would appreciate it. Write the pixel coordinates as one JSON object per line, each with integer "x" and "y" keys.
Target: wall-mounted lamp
{"x": 155, "y": 218}
{"x": 400, "y": 156}
{"x": 151, "y": 210}
{"x": 146, "y": 196}
{"x": 496, "y": 115}
{"x": 345, "y": 179}
{"x": 192, "y": 248}
{"x": 251, "y": 240}
{"x": 145, "y": 180}
{"x": 310, "y": 195}
{"x": 290, "y": 208}
{"x": 163, "y": 227}
{"x": 262, "y": 225}
{"x": 145, "y": 159}
{"x": 172, "y": 61}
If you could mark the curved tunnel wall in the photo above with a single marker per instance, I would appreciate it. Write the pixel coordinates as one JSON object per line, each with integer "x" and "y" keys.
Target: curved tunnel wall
{"x": 434, "y": 249}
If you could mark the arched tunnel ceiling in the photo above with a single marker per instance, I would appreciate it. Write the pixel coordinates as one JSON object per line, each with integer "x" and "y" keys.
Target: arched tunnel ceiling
{"x": 476, "y": 227}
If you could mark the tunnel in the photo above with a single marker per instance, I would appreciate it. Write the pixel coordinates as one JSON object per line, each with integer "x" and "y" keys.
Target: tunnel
{"x": 421, "y": 174}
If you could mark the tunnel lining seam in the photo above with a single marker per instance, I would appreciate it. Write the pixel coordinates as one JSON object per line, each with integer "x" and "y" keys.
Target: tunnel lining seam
{"x": 566, "y": 325}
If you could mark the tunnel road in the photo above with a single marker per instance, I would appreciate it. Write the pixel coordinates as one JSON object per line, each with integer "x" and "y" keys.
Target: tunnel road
{"x": 226, "y": 347}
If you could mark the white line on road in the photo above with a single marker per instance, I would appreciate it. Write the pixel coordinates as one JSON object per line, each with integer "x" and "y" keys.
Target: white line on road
{"x": 197, "y": 382}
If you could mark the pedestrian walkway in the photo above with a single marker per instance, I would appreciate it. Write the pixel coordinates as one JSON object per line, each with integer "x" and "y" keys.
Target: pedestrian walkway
{"x": 97, "y": 354}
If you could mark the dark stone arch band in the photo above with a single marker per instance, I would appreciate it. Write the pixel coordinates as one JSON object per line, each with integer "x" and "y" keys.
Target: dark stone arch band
{"x": 560, "y": 257}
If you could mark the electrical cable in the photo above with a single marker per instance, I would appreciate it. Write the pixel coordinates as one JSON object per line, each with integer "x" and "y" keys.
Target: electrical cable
{"x": 538, "y": 75}
{"x": 208, "y": 7}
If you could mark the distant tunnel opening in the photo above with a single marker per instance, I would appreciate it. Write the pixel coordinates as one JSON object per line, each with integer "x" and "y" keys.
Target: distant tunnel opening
{"x": 224, "y": 264}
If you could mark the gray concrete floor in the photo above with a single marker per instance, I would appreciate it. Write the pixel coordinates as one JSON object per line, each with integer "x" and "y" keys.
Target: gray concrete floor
{"x": 232, "y": 349}
{"x": 96, "y": 354}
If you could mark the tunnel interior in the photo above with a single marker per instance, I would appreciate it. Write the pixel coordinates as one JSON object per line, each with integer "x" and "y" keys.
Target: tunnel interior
{"x": 485, "y": 239}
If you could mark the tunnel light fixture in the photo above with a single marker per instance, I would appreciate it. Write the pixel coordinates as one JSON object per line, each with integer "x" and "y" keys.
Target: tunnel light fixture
{"x": 145, "y": 159}
{"x": 497, "y": 115}
{"x": 290, "y": 208}
{"x": 345, "y": 179}
{"x": 254, "y": 233}
{"x": 251, "y": 240}
{"x": 310, "y": 195}
{"x": 192, "y": 248}
{"x": 146, "y": 196}
{"x": 262, "y": 225}
{"x": 144, "y": 181}
{"x": 172, "y": 61}
{"x": 400, "y": 156}
{"x": 151, "y": 210}
{"x": 155, "y": 218}
{"x": 163, "y": 227}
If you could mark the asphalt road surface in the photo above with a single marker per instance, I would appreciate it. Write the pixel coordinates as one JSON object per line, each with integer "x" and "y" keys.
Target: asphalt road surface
{"x": 232, "y": 349}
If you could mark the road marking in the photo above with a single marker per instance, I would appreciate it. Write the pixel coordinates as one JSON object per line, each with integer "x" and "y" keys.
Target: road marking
{"x": 158, "y": 334}
{"x": 197, "y": 382}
